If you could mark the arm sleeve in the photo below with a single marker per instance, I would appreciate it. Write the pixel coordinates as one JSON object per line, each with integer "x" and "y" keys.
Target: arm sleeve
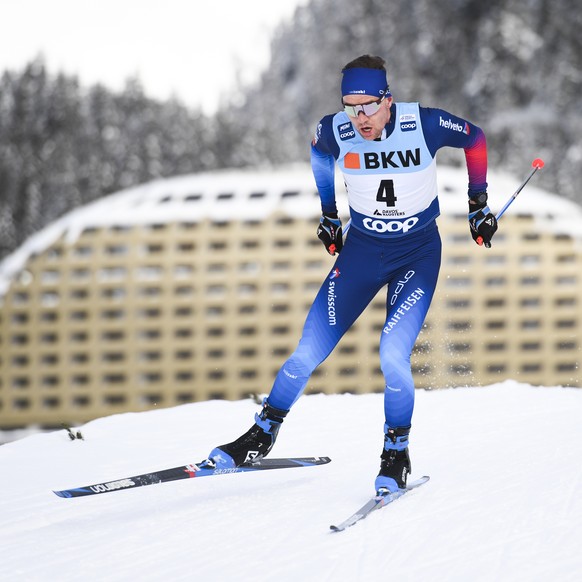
{"x": 324, "y": 152}
{"x": 323, "y": 166}
{"x": 442, "y": 129}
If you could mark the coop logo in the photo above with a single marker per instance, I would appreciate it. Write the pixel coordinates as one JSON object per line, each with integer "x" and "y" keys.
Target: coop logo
{"x": 112, "y": 486}
{"x": 392, "y": 226}
{"x": 346, "y": 131}
{"x": 331, "y": 296}
{"x": 454, "y": 126}
{"x": 407, "y": 122}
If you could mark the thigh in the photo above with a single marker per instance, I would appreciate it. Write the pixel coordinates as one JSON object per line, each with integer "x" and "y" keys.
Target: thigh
{"x": 409, "y": 294}
{"x": 349, "y": 287}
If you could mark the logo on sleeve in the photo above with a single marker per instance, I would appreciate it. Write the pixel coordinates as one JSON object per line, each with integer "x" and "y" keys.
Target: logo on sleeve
{"x": 408, "y": 122}
{"x": 317, "y": 135}
{"x": 454, "y": 126}
{"x": 346, "y": 131}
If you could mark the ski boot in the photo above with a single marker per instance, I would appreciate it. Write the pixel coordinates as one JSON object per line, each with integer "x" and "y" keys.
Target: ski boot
{"x": 255, "y": 444}
{"x": 395, "y": 461}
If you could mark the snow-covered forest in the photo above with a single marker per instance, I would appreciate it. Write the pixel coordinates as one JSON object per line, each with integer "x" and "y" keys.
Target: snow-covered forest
{"x": 513, "y": 68}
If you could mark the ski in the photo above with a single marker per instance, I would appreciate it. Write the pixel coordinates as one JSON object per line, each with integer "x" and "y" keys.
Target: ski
{"x": 377, "y": 502}
{"x": 202, "y": 469}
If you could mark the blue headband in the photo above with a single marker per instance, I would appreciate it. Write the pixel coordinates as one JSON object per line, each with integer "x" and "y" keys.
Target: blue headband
{"x": 361, "y": 81}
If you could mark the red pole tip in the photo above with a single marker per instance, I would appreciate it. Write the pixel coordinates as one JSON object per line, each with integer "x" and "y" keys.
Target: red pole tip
{"x": 538, "y": 163}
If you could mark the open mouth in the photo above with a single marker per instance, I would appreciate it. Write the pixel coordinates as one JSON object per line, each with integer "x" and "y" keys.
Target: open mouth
{"x": 366, "y": 130}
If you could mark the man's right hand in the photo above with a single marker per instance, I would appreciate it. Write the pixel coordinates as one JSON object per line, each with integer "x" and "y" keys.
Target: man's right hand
{"x": 329, "y": 233}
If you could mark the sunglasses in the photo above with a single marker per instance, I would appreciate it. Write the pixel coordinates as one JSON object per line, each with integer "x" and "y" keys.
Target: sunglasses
{"x": 368, "y": 109}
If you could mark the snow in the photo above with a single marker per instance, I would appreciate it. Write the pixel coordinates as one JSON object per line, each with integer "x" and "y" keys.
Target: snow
{"x": 503, "y": 502}
{"x": 168, "y": 200}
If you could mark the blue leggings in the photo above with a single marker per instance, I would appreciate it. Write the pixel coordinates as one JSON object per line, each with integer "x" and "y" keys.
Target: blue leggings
{"x": 409, "y": 266}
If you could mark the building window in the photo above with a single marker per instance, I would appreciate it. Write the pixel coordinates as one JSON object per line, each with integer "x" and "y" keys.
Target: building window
{"x": 566, "y": 324}
{"x": 184, "y": 376}
{"x": 114, "y": 378}
{"x": 50, "y": 277}
{"x": 111, "y": 274}
{"x": 496, "y": 346}
{"x": 49, "y": 359}
{"x": 531, "y": 346}
{"x": 113, "y": 357}
{"x": 21, "y": 403}
{"x": 113, "y": 335}
{"x": 149, "y": 334}
{"x": 114, "y": 399}
{"x": 461, "y": 369}
{"x": 149, "y": 272}
{"x": 496, "y": 368}
{"x": 116, "y": 250}
{"x": 79, "y": 315}
{"x": 184, "y": 291}
{"x": 51, "y": 402}
{"x": 150, "y": 356}
{"x": 460, "y": 347}
{"x": 495, "y": 281}
{"x": 80, "y": 380}
{"x": 81, "y": 401}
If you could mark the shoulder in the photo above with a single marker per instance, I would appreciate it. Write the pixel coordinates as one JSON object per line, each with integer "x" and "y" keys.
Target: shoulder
{"x": 324, "y": 139}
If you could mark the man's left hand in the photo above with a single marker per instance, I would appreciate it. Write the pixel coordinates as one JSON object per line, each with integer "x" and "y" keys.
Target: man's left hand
{"x": 482, "y": 221}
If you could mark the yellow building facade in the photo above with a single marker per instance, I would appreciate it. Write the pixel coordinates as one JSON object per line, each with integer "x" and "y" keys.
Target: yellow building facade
{"x": 197, "y": 287}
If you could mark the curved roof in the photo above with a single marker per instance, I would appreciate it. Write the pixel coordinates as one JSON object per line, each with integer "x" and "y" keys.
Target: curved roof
{"x": 256, "y": 194}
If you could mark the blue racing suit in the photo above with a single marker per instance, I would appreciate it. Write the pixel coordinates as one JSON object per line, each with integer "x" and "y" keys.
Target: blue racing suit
{"x": 393, "y": 241}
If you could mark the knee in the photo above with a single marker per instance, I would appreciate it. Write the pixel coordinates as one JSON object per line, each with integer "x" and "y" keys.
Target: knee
{"x": 394, "y": 362}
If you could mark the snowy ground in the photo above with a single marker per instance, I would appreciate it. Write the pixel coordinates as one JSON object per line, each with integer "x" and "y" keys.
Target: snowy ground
{"x": 504, "y": 502}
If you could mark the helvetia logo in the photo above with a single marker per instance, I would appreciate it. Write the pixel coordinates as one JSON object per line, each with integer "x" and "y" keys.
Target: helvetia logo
{"x": 454, "y": 126}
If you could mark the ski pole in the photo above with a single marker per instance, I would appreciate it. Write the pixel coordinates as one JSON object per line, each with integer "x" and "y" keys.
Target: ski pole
{"x": 537, "y": 164}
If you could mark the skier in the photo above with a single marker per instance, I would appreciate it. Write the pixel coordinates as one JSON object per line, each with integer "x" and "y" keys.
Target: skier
{"x": 386, "y": 153}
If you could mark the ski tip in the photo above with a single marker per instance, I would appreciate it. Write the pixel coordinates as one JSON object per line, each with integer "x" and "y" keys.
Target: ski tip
{"x": 334, "y": 528}
{"x": 64, "y": 494}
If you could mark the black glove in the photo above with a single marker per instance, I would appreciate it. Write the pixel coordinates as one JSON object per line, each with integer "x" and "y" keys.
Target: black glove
{"x": 329, "y": 233}
{"x": 481, "y": 220}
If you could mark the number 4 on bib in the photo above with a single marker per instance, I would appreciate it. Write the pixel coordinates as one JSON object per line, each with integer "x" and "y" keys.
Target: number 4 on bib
{"x": 386, "y": 193}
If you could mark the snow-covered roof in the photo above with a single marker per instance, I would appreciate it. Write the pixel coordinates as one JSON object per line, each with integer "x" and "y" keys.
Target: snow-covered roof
{"x": 256, "y": 194}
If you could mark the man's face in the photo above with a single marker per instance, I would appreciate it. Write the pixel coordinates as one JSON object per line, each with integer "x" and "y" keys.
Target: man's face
{"x": 369, "y": 126}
